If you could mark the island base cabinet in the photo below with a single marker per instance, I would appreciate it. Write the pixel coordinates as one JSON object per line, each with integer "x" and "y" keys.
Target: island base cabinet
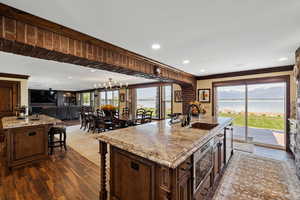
{"x": 26, "y": 145}
{"x": 136, "y": 178}
{"x": 132, "y": 178}
{"x": 185, "y": 188}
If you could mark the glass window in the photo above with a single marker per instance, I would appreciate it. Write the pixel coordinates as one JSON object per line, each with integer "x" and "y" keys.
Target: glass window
{"x": 147, "y": 98}
{"x": 168, "y": 100}
{"x": 86, "y": 99}
{"x": 109, "y": 97}
{"x": 116, "y": 98}
{"x": 102, "y": 98}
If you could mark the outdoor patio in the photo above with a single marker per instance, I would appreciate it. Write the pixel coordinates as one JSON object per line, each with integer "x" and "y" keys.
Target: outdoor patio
{"x": 265, "y": 136}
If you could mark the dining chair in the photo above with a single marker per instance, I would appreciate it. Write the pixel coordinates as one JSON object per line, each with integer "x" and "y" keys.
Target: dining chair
{"x": 117, "y": 114}
{"x": 139, "y": 115}
{"x": 98, "y": 124}
{"x": 147, "y": 116}
{"x": 82, "y": 119}
{"x": 125, "y": 112}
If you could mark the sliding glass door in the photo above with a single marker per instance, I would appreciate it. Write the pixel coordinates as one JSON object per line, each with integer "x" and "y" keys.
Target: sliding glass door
{"x": 266, "y": 113}
{"x": 231, "y": 102}
{"x": 258, "y": 111}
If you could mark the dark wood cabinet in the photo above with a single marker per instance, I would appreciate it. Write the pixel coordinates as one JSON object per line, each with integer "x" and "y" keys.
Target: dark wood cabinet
{"x": 25, "y": 139}
{"x": 26, "y": 145}
{"x": 185, "y": 188}
{"x": 132, "y": 177}
{"x": 135, "y": 178}
{"x": 10, "y": 97}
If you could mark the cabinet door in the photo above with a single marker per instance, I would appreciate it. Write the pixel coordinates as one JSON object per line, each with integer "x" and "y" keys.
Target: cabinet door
{"x": 132, "y": 177}
{"x": 10, "y": 97}
{"x": 28, "y": 142}
{"x": 185, "y": 188}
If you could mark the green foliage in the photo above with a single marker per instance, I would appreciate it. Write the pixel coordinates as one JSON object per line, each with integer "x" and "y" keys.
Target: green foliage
{"x": 257, "y": 121}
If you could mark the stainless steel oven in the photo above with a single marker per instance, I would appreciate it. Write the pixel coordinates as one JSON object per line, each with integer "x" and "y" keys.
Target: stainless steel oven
{"x": 203, "y": 163}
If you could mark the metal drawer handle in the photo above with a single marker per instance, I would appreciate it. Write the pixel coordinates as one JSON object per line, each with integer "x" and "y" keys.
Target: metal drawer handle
{"x": 135, "y": 166}
{"x": 32, "y": 134}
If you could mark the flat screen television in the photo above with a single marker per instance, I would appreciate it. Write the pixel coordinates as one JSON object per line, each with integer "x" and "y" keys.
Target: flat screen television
{"x": 43, "y": 96}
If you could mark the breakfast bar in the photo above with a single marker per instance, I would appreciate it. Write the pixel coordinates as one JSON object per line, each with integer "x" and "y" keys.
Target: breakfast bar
{"x": 26, "y": 139}
{"x": 160, "y": 160}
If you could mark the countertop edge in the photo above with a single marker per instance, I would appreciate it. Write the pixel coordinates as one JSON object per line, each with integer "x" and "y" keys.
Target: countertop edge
{"x": 179, "y": 159}
{"x": 48, "y": 121}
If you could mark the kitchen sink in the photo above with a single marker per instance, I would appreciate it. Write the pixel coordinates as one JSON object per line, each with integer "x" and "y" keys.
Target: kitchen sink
{"x": 204, "y": 126}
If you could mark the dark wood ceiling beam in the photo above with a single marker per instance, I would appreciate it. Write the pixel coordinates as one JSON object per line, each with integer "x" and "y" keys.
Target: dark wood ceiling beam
{"x": 17, "y": 76}
{"x": 29, "y": 35}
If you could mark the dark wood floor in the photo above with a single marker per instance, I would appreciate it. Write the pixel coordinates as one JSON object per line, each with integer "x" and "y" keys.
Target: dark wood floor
{"x": 63, "y": 176}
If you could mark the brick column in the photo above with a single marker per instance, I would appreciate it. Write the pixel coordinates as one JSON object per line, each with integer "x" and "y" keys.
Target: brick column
{"x": 188, "y": 95}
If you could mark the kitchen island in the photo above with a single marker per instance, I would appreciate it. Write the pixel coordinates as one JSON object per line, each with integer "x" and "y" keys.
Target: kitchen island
{"x": 26, "y": 140}
{"x": 159, "y": 161}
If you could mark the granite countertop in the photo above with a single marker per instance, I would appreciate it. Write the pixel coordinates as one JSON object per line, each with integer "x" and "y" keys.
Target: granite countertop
{"x": 14, "y": 122}
{"x": 160, "y": 142}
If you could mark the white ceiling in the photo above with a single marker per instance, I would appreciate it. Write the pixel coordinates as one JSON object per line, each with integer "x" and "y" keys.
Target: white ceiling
{"x": 217, "y": 36}
{"x": 45, "y": 74}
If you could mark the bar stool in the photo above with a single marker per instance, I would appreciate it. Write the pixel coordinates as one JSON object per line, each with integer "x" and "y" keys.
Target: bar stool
{"x": 54, "y": 142}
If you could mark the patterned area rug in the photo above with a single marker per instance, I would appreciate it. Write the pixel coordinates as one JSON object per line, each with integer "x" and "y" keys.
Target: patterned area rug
{"x": 251, "y": 177}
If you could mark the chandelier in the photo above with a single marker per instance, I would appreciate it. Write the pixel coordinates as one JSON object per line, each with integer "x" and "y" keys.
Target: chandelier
{"x": 110, "y": 84}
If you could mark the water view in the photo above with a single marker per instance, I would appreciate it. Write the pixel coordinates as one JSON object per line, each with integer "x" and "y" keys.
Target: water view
{"x": 265, "y": 103}
{"x": 254, "y": 105}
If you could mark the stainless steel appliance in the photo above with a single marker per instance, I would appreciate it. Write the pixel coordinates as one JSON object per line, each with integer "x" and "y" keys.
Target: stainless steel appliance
{"x": 229, "y": 143}
{"x": 203, "y": 163}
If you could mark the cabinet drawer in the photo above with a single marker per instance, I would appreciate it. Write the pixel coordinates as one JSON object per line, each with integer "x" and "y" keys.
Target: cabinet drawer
{"x": 28, "y": 142}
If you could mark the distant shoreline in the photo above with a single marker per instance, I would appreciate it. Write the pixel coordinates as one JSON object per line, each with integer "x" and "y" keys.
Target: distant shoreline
{"x": 249, "y": 99}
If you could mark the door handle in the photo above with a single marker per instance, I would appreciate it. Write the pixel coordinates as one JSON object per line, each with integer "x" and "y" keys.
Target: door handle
{"x": 135, "y": 166}
{"x": 32, "y": 134}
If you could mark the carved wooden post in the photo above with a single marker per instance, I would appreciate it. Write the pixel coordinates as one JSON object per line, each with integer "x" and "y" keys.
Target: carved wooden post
{"x": 103, "y": 152}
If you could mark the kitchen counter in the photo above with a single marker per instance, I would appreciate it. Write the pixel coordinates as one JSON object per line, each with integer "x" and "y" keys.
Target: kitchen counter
{"x": 14, "y": 122}
{"x": 162, "y": 143}
{"x": 26, "y": 140}
{"x": 162, "y": 161}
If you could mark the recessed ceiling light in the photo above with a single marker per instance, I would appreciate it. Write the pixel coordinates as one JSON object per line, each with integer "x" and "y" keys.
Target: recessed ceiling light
{"x": 202, "y": 70}
{"x": 186, "y": 62}
{"x": 93, "y": 70}
{"x": 155, "y": 46}
{"x": 282, "y": 59}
